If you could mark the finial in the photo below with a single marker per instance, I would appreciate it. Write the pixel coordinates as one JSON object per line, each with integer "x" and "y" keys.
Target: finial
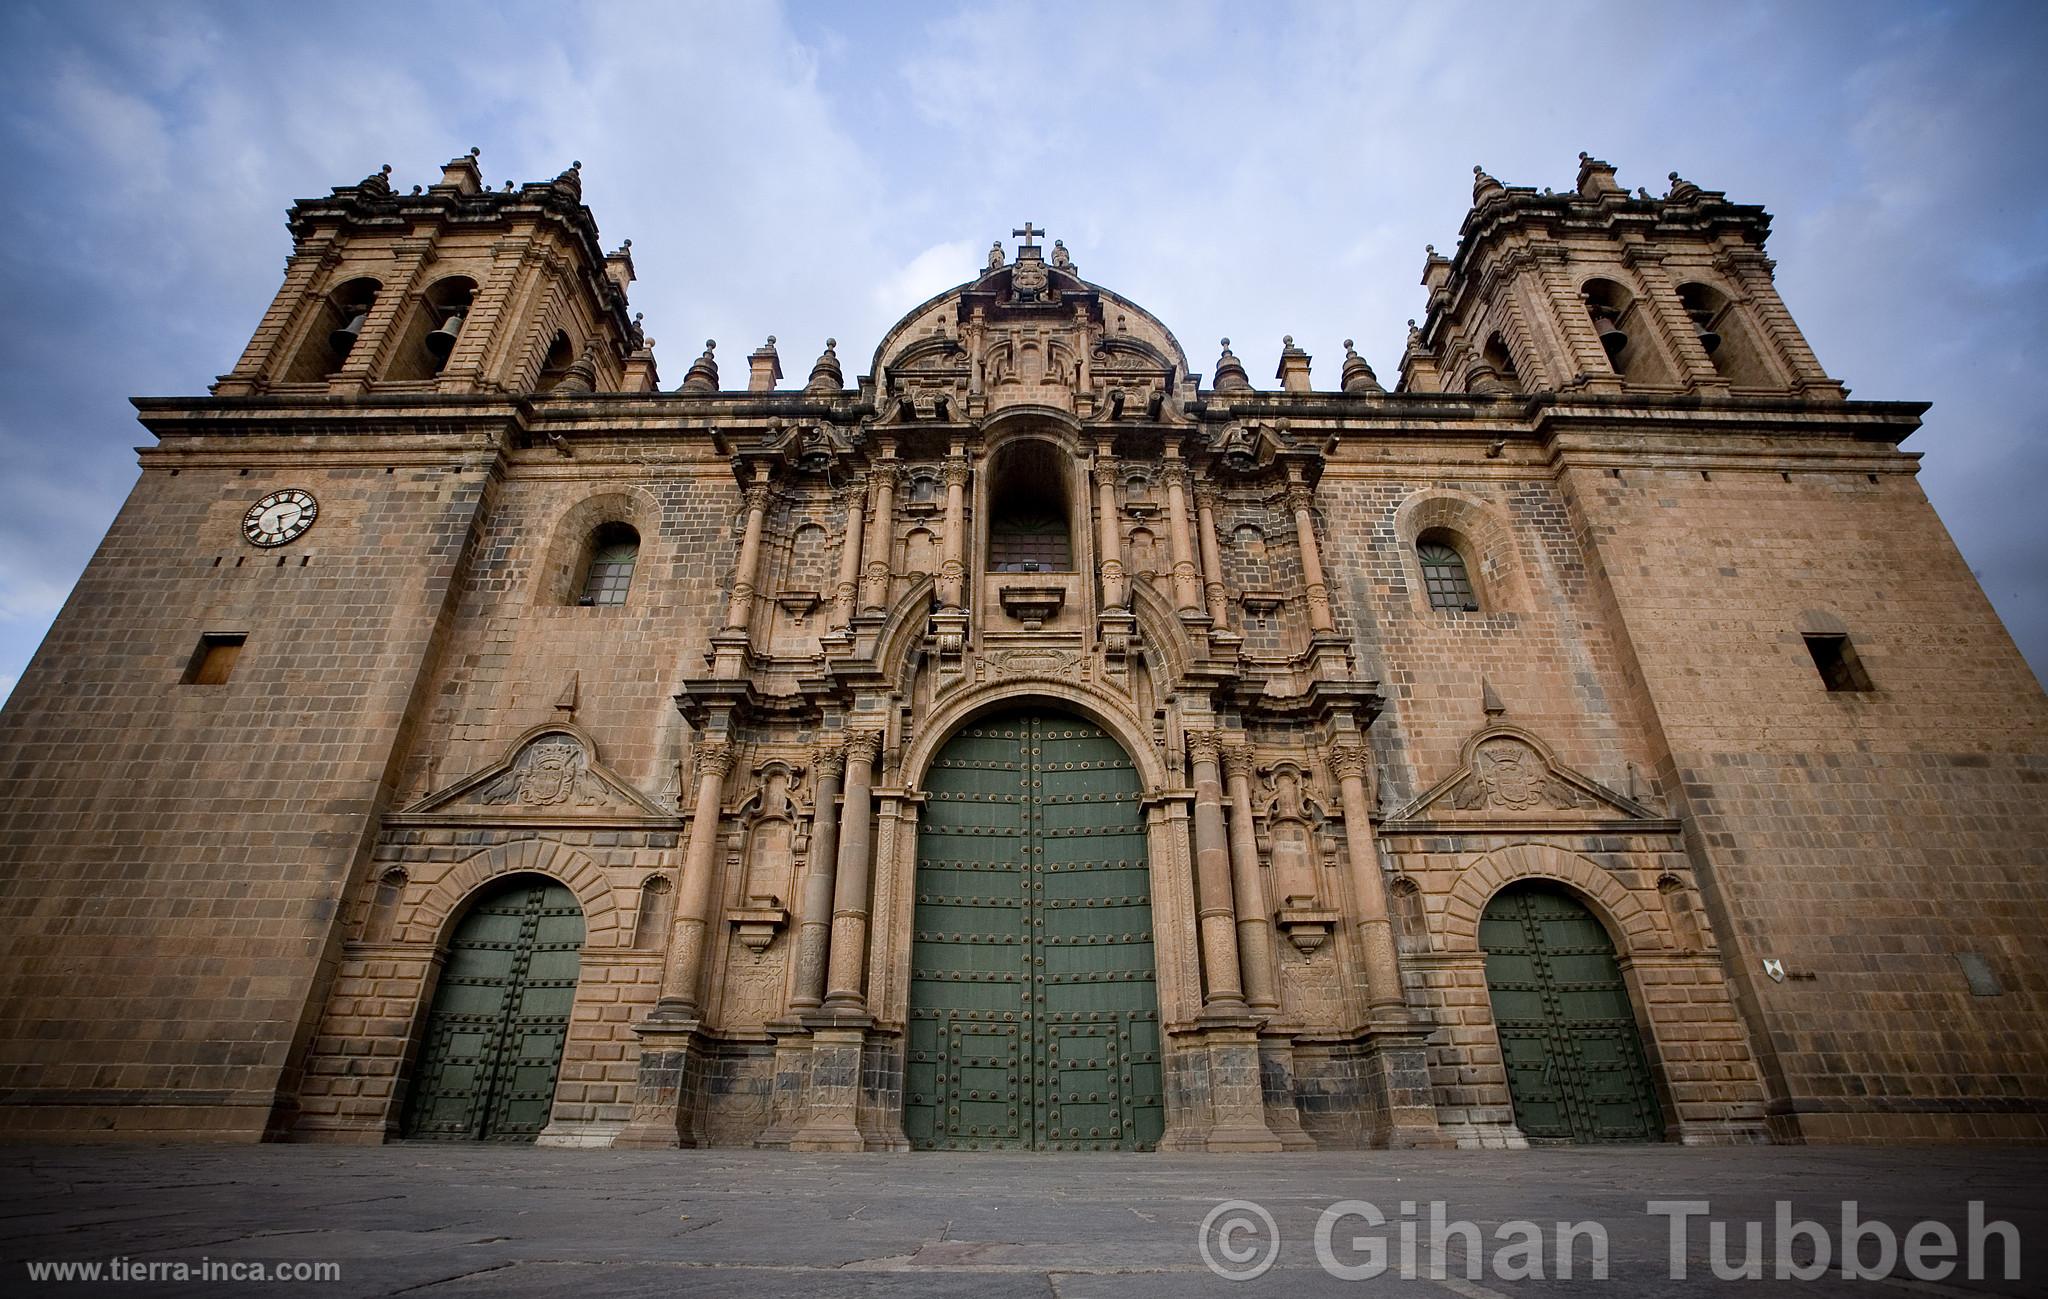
{"x": 710, "y": 345}
{"x": 1287, "y": 340}
{"x": 771, "y": 340}
{"x": 624, "y": 246}
{"x": 638, "y": 316}
{"x": 1673, "y": 177}
{"x": 1411, "y": 322}
{"x": 1478, "y": 170}
{"x": 1429, "y": 249}
{"x": 416, "y": 189}
{"x": 1583, "y": 155}
{"x": 1348, "y": 346}
{"x": 386, "y": 169}
{"x": 1643, "y": 192}
{"x": 576, "y": 165}
{"x": 1226, "y": 345}
{"x": 508, "y": 187}
{"x": 475, "y": 152}
{"x": 831, "y": 343}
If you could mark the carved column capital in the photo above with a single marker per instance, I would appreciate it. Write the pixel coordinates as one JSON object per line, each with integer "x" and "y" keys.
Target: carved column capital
{"x": 760, "y": 496}
{"x": 715, "y": 758}
{"x": 957, "y": 473}
{"x": 862, "y": 747}
{"x": 1238, "y": 760}
{"x": 855, "y": 494}
{"x": 1349, "y": 760}
{"x": 1300, "y": 497}
{"x": 1205, "y": 746}
{"x": 1104, "y": 472}
{"x": 830, "y": 761}
{"x": 1207, "y": 497}
{"x": 886, "y": 474}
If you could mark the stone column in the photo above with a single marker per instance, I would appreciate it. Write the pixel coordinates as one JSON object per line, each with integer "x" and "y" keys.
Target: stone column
{"x": 1301, "y": 500}
{"x": 953, "y": 566}
{"x": 1217, "y": 918}
{"x": 881, "y": 548}
{"x": 847, "y": 589}
{"x": 1116, "y": 589}
{"x": 1212, "y": 559}
{"x": 747, "y": 573}
{"x": 850, "y": 891}
{"x": 1351, "y": 763}
{"x": 1254, "y": 915}
{"x": 687, "y": 939}
{"x": 1187, "y": 585}
{"x": 814, "y": 915}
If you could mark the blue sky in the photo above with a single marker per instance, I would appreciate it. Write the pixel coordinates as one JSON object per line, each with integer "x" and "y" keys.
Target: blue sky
{"x": 817, "y": 169}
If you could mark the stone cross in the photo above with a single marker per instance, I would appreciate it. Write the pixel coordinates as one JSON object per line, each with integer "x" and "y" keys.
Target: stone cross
{"x": 1028, "y": 231}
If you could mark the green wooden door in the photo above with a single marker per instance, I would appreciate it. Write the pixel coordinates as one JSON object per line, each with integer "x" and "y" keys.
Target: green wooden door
{"x": 494, "y": 1037}
{"x": 1034, "y": 1015}
{"x": 1568, "y": 1038}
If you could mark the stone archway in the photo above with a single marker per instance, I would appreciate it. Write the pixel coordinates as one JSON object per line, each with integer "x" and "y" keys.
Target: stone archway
{"x": 1033, "y": 1014}
{"x": 491, "y": 1050}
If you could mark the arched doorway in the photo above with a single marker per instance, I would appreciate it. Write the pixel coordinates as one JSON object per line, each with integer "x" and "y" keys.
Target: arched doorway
{"x": 1034, "y": 1011}
{"x": 1575, "y": 1064}
{"x": 493, "y": 1043}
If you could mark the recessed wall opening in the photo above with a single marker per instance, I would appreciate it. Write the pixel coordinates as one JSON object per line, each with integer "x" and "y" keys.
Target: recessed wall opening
{"x": 1834, "y": 657}
{"x": 1624, "y": 336}
{"x": 213, "y": 662}
{"x": 334, "y": 333}
{"x": 1725, "y": 337}
{"x": 555, "y": 366}
{"x": 1029, "y": 529}
{"x": 435, "y": 326}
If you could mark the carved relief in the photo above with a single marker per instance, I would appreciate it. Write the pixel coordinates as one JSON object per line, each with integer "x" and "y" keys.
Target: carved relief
{"x": 1508, "y": 773}
{"x": 551, "y": 770}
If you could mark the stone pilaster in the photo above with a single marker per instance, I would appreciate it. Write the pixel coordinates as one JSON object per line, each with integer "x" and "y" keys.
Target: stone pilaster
{"x": 1316, "y": 588}
{"x": 846, "y": 987}
{"x": 1187, "y": 585}
{"x": 1224, "y": 990}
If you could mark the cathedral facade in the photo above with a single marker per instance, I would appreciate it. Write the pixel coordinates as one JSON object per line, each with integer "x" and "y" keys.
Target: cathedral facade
{"x": 1034, "y": 742}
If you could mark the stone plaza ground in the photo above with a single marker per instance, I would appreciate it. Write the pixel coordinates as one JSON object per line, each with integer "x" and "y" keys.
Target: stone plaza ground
{"x": 456, "y": 1220}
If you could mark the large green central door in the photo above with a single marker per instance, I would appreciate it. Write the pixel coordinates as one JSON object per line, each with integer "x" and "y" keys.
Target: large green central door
{"x": 494, "y": 1037}
{"x": 1567, "y": 1031}
{"x": 1034, "y": 1017}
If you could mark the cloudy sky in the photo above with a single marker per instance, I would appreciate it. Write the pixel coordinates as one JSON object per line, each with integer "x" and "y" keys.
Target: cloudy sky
{"x": 817, "y": 169}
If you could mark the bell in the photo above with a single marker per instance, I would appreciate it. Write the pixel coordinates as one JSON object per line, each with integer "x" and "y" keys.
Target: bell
{"x": 1703, "y": 321}
{"x": 442, "y": 341}
{"x": 1612, "y": 336}
{"x": 341, "y": 340}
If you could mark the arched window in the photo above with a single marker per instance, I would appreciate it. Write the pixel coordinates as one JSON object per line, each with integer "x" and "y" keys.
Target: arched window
{"x": 1496, "y": 369}
{"x": 1723, "y": 335}
{"x": 1028, "y": 528}
{"x": 555, "y": 367}
{"x": 1624, "y": 338}
{"x": 1444, "y": 575}
{"x": 334, "y": 333}
{"x": 436, "y": 324}
{"x": 614, "y": 550}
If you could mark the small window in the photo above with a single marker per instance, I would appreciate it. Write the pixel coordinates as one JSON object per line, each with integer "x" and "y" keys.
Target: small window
{"x": 1835, "y": 659}
{"x": 214, "y": 661}
{"x": 1444, "y": 576}
{"x": 613, "y": 552}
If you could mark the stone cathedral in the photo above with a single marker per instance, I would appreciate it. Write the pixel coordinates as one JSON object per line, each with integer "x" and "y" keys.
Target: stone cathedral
{"x": 1033, "y": 742}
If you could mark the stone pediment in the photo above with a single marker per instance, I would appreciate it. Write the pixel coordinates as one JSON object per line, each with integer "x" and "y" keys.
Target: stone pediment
{"x": 553, "y": 774}
{"x": 1508, "y": 774}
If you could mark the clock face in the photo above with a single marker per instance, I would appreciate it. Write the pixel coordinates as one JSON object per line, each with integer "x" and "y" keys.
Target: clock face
{"x": 280, "y": 517}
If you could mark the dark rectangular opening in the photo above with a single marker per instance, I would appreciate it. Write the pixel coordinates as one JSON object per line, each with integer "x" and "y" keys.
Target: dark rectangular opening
{"x": 1835, "y": 659}
{"x": 214, "y": 661}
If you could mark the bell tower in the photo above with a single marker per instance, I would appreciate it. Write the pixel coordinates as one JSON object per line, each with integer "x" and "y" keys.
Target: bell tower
{"x": 453, "y": 288}
{"x": 1598, "y": 290}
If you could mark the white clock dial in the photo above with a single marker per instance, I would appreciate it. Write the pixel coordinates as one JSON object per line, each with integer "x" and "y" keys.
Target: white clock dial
{"x": 280, "y": 517}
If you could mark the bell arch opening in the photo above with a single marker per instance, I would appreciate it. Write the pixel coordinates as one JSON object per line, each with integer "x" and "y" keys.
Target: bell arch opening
{"x": 1033, "y": 1017}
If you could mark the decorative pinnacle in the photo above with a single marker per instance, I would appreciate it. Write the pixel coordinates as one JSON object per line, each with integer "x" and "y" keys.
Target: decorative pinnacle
{"x": 831, "y": 343}
{"x": 1349, "y": 346}
{"x": 1226, "y": 345}
{"x": 710, "y": 344}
